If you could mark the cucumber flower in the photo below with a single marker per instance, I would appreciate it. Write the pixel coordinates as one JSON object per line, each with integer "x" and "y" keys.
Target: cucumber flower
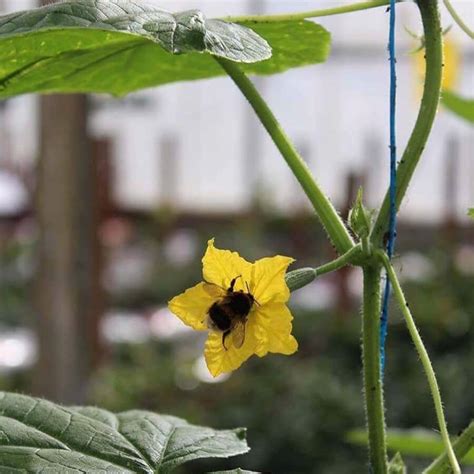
{"x": 242, "y": 305}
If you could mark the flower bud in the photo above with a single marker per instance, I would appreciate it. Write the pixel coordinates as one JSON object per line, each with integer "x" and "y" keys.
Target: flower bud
{"x": 296, "y": 279}
{"x": 360, "y": 218}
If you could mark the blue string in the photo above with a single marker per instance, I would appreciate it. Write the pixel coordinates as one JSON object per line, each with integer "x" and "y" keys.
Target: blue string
{"x": 393, "y": 182}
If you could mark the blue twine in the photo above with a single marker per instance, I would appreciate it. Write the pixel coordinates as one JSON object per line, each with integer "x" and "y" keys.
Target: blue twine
{"x": 393, "y": 182}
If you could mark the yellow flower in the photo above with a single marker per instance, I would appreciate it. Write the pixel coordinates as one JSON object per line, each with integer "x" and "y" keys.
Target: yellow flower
{"x": 268, "y": 322}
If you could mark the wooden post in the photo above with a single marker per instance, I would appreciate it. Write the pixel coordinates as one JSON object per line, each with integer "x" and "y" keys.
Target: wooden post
{"x": 451, "y": 179}
{"x": 66, "y": 212}
{"x": 450, "y": 223}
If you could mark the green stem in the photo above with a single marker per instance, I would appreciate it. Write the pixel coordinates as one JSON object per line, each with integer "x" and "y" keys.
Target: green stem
{"x": 429, "y": 105}
{"x": 346, "y": 259}
{"x": 308, "y": 14}
{"x": 458, "y": 19}
{"x": 323, "y": 207}
{"x": 371, "y": 366}
{"x": 461, "y": 447}
{"x": 425, "y": 360}
{"x": 301, "y": 277}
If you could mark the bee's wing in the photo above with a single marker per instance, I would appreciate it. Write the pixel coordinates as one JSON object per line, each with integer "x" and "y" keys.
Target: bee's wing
{"x": 213, "y": 290}
{"x": 238, "y": 334}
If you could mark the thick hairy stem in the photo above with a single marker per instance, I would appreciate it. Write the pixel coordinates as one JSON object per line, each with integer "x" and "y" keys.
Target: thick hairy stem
{"x": 424, "y": 357}
{"x": 373, "y": 392}
{"x": 429, "y": 105}
{"x": 354, "y": 7}
{"x": 328, "y": 216}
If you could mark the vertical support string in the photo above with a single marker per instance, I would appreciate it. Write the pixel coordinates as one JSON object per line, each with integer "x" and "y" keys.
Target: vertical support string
{"x": 393, "y": 181}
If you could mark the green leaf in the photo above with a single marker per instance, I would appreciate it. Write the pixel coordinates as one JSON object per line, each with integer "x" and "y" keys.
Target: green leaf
{"x": 417, "y": 442}
{"x": 294, "y": 44}
{"x": 470, "y": 212}
{"x": 462, "y": 107}
{"x": 119, "y": 46}
{"x": 37, "y": 435}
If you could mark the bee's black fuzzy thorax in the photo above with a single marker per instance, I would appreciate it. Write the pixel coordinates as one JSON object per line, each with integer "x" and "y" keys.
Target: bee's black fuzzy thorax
{"x": 234, "y": 306}
{"x": 219, "y": 317}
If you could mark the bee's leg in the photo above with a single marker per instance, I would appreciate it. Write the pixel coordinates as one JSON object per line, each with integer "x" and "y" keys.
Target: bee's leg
{"x": 224, "y": 336}
{"x": 232, "y": 283}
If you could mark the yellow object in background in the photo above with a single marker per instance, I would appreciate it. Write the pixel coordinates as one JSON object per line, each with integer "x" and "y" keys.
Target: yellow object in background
{"x": 451, "y": 70}
{"x": 452, "y": 61}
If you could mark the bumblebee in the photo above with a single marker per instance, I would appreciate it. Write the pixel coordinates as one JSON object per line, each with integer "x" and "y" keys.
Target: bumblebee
{"x": 229, "y": 314}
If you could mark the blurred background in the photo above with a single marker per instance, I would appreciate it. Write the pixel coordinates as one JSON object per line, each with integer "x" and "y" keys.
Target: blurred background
{"x": 106, "y": 206}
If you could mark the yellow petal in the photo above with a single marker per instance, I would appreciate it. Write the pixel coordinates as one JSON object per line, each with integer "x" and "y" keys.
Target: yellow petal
{"x": 268, "y": 280}
{"x": 274, "y": 323}
{"x": 192, "y": 305}
{"x": 220, "y": 360}
{"x": 220, "y": 267}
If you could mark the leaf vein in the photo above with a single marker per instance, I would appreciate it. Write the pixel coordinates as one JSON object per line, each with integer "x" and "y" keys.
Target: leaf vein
{"x": 69, "y": 448}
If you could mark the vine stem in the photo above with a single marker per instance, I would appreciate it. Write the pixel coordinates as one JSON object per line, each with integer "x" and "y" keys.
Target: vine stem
{"x": 424, "y": 122}
{"x": 328, "y": 216}
{"x": 339, "y": 262}
{"x": 458, "y": 19}
{"x": 308, "y": 14}
{"x": 373, "y": 393}
{"x": 461, "y": 447}
{"x": 424, "y": 357}
{"x": 301, "y": 277}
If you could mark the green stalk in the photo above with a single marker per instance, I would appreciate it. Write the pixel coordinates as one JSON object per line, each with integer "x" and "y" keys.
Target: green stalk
{"x": 301, "y": 277}
{"x": 461, "y": 447}
{"x": 429, "y": 106}
{"x": 425, "y": 360}
{"x": 308, "y": 14}
{"x": 324, "y": 209}
{"x": 346, "y": 259}
{"x": 458, "y": 19}
{"x": 374, "y": 404}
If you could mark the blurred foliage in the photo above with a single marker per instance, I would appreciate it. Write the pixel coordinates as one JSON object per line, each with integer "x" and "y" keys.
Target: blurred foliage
{"x": 417, "y": 442}
{"x": 16, "y": 264}
{"x": 460, "y": 106}
{"x": 297, "y": 409}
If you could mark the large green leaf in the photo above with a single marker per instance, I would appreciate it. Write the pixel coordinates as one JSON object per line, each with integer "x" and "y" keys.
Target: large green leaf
{"x": 37, "y": 435}
{"x": 417, "y": 442}
{"x": 118, "y": 46}
{"x": 462, "y": 107}
{"x": 470, "y": 212}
